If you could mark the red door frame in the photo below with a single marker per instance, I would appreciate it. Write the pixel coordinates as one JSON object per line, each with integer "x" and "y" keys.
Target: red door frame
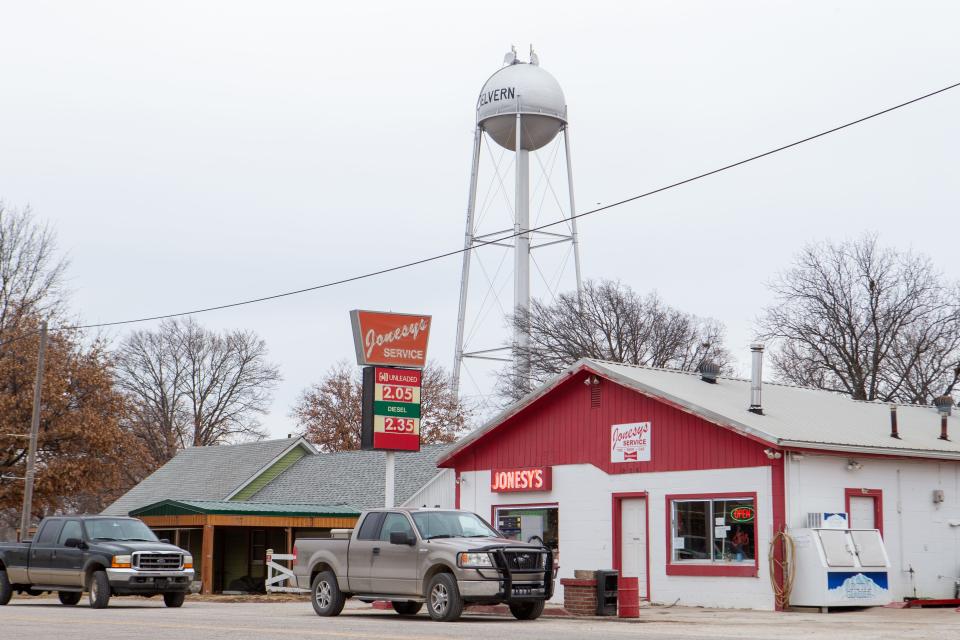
{"x": 617, "y": 520}
{"x": 876, "y": 494}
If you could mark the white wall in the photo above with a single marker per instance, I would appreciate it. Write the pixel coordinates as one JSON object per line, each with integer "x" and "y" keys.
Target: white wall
{"x": 439, "y": 492}
{"x": 584, "y": 496}
{"x": 917, "y": 533}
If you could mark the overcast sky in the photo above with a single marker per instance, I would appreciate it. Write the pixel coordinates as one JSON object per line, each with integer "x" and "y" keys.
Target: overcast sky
{"x": 197, "y": 153}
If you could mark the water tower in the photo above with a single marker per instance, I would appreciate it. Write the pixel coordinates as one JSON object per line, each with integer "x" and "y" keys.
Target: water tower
{"x": 522, "y": 109}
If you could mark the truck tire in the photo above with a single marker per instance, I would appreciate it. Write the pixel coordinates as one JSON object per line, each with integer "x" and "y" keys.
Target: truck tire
{"x": 69, "y": 598}
{"x": 6, "y": 591}
{"x": 529, "y": 610}
{"x": 443, "y": 598}
{"x": 325, "y": 595}
{"x": 407, "y": 607}
{"x": 99, "y": 588}
{"x": 174, "y": 599}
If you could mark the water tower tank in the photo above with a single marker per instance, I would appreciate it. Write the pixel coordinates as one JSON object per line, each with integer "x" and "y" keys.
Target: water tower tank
{"x": 526, "y": 88}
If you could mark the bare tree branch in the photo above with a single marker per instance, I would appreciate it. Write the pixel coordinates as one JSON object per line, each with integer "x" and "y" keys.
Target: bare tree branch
{"x": 867, "y": 321}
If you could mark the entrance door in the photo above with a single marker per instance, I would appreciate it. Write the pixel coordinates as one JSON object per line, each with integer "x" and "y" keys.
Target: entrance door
{"x": 633, "y": 541}
{"x": 863, "y": 511}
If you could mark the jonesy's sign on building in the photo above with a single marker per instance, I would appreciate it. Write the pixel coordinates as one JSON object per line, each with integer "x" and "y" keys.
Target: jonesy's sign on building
{"x": 630, "y": 442}
{"x": 531, "y": 479}
{"x": 391, "y": 339}
{"x": 391, "y": 409}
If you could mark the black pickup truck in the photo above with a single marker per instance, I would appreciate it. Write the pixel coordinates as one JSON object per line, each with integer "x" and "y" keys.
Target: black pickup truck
{"x": 101, "y": 555}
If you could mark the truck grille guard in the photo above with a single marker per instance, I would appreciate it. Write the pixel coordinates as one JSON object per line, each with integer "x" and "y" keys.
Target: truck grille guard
{"x": 505, "y": 573}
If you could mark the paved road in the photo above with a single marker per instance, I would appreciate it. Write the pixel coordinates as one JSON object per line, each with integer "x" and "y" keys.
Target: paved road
{"x": 43, "y": 619}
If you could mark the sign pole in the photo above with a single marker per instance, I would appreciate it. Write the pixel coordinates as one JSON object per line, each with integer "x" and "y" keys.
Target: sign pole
{"x": 34, "y": 429}
{"x": 390, "y": 457}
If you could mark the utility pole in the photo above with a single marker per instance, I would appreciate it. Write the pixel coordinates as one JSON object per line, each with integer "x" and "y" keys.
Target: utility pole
{"x": 34, "y": 429}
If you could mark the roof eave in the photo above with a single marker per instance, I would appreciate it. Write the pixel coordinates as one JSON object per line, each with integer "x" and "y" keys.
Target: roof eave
{"x": 877, "y": 451}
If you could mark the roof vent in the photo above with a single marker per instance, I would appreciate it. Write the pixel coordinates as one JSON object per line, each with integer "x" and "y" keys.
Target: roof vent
{"x": 894, "y": 432}
{"x": 756, "y": 378}
{"x": 944, "y": 404}
{"x": 709, "y": 371}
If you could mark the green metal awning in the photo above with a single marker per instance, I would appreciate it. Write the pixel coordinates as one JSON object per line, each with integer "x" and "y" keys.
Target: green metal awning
{"x": 241, "y": 508}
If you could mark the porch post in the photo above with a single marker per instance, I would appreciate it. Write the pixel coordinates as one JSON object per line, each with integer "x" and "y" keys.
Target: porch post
{"x": 206, "y": 563}
{"x": 289, "y": 540}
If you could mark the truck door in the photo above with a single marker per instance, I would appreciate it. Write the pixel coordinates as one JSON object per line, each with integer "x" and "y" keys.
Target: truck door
{"x": 41, "y": 550}
{"x": 360, "y": 553}
{"x": 66, "y": 563}
{"x": 395, "y": 565}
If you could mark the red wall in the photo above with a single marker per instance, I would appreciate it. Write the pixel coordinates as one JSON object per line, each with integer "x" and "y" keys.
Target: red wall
{"x": 562, "y": 428}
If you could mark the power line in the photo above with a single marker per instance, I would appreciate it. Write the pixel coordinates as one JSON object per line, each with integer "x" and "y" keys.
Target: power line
{"x": 407, "y": 265}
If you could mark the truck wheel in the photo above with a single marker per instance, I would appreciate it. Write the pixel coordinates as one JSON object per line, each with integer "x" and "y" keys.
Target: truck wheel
{"x": 174, "y": 599}
{"x": 69, "y": 598}
{"x": 6, "y": 591}
{"x": 406, "y": 607}
{"x": 325, "y": 595}
{"x": 529, "y": 610}
{"x": 99, "y": 587}
{"x": 443, "y": 598}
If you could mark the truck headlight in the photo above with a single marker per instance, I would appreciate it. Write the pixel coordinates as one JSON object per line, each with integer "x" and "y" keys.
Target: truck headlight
{"x": 475, "y": 560}
{"x": 120, "y": 562}
{"x": 188, "y": 562}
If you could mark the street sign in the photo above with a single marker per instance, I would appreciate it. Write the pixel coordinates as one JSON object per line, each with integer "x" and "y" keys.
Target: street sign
{"x": 392, "y": 339}
{"x": 391, "y": 409}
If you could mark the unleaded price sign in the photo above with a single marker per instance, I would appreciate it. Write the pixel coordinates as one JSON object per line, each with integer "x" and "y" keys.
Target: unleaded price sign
{"x": 391, "y": 412}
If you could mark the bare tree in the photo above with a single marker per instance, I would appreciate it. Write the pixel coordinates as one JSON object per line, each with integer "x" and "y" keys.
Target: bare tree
{"x": 867, "y": 321}
{"x": 609, "y": 321}
{"x": 189, "y": 386}
{"x": 31, "y": 272}
{"x": 330, "y": 411}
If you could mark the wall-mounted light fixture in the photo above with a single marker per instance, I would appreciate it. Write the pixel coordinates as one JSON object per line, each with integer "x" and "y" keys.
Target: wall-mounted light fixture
{"x": 853, "y": 465}
{"x": 589, "y": 380}
{"x": 773, "y": 455}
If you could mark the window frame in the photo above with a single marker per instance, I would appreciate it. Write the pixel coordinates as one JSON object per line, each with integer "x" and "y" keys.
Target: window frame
{"x": 528, "y": 505}
{"x": 61, "y": 540}
{"x": 711, "y": 567}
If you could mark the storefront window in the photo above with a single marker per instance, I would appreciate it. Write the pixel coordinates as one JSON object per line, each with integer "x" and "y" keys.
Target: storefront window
{"x": 714, "y": 530}
{"x": 539, "y": 525}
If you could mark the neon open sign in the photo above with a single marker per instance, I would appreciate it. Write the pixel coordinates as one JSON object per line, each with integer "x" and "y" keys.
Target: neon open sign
{"x": 742, "y": 514}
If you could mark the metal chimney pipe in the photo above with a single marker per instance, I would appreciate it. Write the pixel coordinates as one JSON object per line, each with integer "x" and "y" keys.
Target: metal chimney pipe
{"x": 756, "y": 377}
{"x": 943, "y": 427}
{"x": 894, "y": 432}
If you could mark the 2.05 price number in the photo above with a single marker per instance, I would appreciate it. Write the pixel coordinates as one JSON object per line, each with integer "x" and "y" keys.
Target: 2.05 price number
{"x": 397, "y": 393}
{"x": 399, "y": 425}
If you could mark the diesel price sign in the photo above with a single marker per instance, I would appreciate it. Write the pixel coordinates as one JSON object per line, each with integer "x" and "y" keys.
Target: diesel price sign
{"x": 391, "y": 409}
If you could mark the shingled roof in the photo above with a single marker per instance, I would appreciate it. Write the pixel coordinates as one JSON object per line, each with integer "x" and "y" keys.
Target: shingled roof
{"x": 353, "y": 478}
{"x": 202, "y": 473}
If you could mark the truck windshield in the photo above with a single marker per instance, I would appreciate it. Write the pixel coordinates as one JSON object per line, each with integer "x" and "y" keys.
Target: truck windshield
{"x": 451, "y": 524}
{"x": 119, "y": 529}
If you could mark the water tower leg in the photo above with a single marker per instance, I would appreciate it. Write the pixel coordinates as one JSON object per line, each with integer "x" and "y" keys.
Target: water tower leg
{"x": 573, "y": 211}
{"x": 521, "y": 288}
{"x": 465, "y": 273}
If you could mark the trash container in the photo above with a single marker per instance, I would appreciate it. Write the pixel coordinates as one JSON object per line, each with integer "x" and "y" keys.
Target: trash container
{"x": 607, "y": 593}
{"x": 628, "y": 595}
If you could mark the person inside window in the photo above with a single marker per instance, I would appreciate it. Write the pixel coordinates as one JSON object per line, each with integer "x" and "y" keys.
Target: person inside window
{"x": 739, "y": 543}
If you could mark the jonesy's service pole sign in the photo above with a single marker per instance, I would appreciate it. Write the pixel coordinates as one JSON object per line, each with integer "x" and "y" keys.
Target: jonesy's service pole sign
{"x": 392, "y": 348}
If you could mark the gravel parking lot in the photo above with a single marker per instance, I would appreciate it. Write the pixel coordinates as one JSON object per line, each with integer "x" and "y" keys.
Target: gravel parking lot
{"x": 44, "y": 618}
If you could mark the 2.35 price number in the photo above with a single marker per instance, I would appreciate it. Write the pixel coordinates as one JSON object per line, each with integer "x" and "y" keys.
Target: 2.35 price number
{"x": 399, "y": 425}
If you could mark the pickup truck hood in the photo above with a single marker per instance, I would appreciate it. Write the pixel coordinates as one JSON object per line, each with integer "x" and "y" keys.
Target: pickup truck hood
{"x": 121, "y": 547}
{"x": 467, "y": 544}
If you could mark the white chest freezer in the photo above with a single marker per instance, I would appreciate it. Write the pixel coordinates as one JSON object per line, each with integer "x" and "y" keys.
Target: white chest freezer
{"x": 840, "y": 568}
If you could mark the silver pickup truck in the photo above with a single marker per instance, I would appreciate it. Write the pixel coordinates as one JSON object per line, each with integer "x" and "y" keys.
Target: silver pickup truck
{"x": 443, "y": 558}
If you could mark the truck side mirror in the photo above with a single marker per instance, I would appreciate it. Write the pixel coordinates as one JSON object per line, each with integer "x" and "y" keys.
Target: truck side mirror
{"x": 402, "y": 537}
{"x": 75, "y": 543}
